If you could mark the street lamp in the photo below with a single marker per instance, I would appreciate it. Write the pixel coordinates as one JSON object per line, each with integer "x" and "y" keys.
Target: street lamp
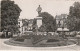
{"x": 63, "y": 27}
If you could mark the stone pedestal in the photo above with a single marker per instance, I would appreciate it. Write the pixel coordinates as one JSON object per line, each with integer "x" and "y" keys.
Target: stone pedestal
{"x": 39, "y": 21}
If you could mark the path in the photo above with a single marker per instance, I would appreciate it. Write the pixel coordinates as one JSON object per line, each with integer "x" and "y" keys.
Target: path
{"x": 4, "y": 46}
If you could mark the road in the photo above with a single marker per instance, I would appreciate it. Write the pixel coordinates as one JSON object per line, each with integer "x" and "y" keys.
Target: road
{"x": 4, "y": 46}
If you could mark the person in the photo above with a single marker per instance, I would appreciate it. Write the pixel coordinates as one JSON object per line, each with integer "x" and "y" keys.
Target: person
{"x": 59, "y": 24}
{"x": 4, "y": 33}
{"x": 12, "y": 32}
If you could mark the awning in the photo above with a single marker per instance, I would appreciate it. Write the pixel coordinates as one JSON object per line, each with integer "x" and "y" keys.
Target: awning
{"x": 65, "y": 29}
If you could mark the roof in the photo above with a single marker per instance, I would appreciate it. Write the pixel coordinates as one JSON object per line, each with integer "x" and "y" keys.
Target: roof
{"x": 61, "y": 16}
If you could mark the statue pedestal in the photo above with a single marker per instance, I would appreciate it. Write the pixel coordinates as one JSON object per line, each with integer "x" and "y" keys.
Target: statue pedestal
{"x": 39, "y": 21}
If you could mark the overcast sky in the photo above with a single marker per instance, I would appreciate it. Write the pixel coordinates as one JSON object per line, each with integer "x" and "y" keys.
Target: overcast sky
{"x": 51, "y": 6}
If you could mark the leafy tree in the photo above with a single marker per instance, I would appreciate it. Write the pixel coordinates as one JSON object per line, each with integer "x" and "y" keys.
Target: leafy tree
{"x": 74, "y": 17}
{"x": 34, "y": 25}
{"x": 48, "y": 22}
{"x": 25, "y": 22}
{"x": 42, "y": 28}
{"x": 10, "y": 13}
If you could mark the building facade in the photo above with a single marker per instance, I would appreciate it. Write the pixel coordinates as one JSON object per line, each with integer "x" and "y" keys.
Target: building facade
{"x": 61, "y": 20}
{"x": 25, "y": 25}
{"x": 20, "y": 24}
{"x": 30, "y": 24}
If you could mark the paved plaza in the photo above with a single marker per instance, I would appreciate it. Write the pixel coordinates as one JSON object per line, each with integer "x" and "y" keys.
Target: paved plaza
{"x": 4, "y": 46}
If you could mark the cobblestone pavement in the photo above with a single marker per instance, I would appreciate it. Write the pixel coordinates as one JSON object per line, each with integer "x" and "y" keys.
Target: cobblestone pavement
{"x": 4, "y": 46}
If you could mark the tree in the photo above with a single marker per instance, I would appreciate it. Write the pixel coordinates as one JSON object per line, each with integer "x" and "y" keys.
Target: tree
{"x": 10, "y": 13}
{"x": 25, "y": 22}
{"x": 42, "y": 28}
{"x": 73, "y": 21}
{"x": 34, "y": 25}
{"x": 48, "y": 22}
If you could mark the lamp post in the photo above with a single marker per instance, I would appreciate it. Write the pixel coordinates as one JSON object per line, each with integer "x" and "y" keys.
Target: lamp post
{"x": 63, "y": 27}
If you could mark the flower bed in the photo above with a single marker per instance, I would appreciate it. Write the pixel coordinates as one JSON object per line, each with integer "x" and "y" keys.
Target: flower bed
{"x": 53, "y": 40}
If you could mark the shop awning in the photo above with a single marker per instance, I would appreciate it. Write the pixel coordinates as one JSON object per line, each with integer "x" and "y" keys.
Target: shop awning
{"x": 65, "y": 29}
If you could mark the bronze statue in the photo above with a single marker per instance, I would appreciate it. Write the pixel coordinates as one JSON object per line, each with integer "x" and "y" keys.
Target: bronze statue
{"x": 39, "y": 9}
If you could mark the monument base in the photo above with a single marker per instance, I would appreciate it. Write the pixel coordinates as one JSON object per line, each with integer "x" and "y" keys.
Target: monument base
{"x": 39, "y": 21}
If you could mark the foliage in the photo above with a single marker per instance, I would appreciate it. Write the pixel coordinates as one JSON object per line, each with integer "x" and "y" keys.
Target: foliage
{"x": 73, "y": 21}
{"x": 34, "y": 25}
{"x": 25, "y": 22}
{"x": 48, "y": 22}
{"x": 10, "y": 13}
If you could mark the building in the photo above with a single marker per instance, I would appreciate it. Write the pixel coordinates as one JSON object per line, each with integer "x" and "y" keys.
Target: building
{"x": 30, "y": 25}
{"x": 61, "y": 20}
{"x": 20, "y": 24}
{"x": 25, "y": 25}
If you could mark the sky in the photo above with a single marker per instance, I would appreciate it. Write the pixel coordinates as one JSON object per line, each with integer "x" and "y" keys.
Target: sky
{"x": 54, "y": 7}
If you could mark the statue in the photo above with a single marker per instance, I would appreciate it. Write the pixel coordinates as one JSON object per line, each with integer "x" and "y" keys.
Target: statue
{"x": 39, "y": 9}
